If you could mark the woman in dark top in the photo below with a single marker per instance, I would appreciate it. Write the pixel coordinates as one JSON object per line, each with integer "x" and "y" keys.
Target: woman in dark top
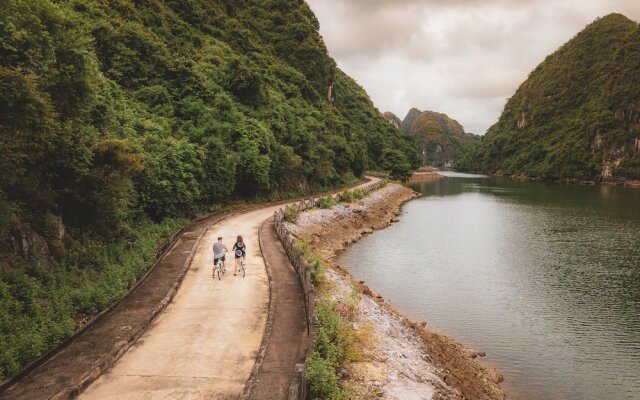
{"x": 240, "y": 250}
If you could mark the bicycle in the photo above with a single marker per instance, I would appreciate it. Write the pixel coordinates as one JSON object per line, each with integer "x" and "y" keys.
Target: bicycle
{"x": 242, "y": 268}
{"x": 219, "y": 268}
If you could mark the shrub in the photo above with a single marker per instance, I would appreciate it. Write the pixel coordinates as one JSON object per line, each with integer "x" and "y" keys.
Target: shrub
{"x": 349, "y": 196}
{"x": 291, "y": 214}
{"x": 322, "y": 379}
{"x": 327, "y": 201}
{"x": 318, "y": 266}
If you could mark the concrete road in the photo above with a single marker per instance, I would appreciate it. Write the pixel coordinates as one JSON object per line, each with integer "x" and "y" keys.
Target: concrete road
{"x": 205, "y": 343}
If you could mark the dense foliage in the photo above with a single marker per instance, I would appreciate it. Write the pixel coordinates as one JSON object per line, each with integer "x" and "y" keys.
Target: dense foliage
{"x": 337, "y": 342}
{"x": 116, "y": 113}
{"x": 440, "y": 139}
{"x": 578, "y": 113}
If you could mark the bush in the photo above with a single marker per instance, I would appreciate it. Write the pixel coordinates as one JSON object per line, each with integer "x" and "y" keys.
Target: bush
{"x": 327, "y": 201}
{"x": 349, "y": 196}
{"x": 291, "y": 214}
{"x": 318, "y": 266}
{"x": 322, "y": 379}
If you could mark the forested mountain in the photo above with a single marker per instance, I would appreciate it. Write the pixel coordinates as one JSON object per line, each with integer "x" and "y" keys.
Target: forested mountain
{"x": 440, "y": 139}
{"x": 116, "y": 117}
{"x": 578, "y": 113}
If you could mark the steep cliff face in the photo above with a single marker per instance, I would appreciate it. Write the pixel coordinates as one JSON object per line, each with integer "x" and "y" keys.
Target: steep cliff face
{"x": 578, "y": 113}
{"x": 410, "y": 118}
{"x": 391, "y": 117}
{"x": 440, "y": 139}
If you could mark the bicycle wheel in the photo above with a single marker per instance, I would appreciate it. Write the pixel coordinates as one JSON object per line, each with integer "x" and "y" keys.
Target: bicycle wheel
{"x": 242, "y": 266}
{"x": 219, "y": 271}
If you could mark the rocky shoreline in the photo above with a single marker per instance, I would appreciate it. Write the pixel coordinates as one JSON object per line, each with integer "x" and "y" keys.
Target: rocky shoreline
{"x": 626, "y": 182}
{"x": 403, "y": 358}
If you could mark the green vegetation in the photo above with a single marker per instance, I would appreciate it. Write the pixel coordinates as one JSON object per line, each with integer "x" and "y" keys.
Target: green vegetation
{"x": 116, "y": 116}
{"x": 440, "y": 139}
{"x": 578, "y": 113}
{"x": 291, "y": 214}
{"x": 327, "y": 201}
{"x": 336, "y": 342}
{"x": 41, "y": 306}
{"x": 318, "y": 266}
{"x": 349, "y": 196}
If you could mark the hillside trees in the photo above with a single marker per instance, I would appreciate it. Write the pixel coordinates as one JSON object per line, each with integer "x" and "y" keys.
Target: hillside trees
{"x": 576, "y": 115}
{"x": 119, "y": 118}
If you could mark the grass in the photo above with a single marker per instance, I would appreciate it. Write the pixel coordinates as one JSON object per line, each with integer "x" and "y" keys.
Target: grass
{"x": 337, "y": 343}
{"x": 327, "y": 201}
{"x": 350, "y": 196}
{"x": 42, "y": 305}
{"x": 291, "y": 214}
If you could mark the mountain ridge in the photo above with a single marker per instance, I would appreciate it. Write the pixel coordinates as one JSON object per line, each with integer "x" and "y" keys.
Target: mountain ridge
{"x": 577, "y": 115}
{"x": 440, "y": 139}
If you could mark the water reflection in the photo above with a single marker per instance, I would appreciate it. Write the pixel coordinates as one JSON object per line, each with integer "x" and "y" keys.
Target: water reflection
{"x": 544, "y": 277}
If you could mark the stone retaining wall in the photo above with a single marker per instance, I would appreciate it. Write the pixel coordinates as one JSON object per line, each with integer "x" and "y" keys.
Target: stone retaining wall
{"x": 297, "y": 390}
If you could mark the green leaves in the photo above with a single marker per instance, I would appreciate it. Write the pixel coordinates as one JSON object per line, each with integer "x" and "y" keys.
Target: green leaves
{"x": 576, "y": 114}
{"x": 396, "y": 163}
{"x": 113, "y": 113}
{"x": 169, "y": 182}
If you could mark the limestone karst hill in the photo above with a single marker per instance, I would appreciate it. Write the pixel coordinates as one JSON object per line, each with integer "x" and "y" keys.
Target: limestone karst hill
{"x": 440, "y": 139}
{"x": 578, "y": 113}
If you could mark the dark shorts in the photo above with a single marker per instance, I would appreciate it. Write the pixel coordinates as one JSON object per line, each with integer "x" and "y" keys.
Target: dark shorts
{"x": 215, "y": 260}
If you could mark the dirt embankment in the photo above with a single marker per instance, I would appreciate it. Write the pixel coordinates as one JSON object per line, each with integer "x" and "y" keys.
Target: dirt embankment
{"x": 407, "y": 360}
{"x": 425, "y": 174}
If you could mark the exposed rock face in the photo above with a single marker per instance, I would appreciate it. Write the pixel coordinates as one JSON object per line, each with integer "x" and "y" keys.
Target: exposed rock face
{"x": 410, "y": 118}
{"x": 28, "y": 243}
{"x": 522, "y": 121}
{"x": 391, "y": 117}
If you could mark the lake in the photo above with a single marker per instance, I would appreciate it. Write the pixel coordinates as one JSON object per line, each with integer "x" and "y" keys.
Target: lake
{"x": 543, "y": 277}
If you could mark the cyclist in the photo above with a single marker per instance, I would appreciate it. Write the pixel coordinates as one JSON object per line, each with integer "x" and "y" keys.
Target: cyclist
{"x": 218, "y": 254}
{"x": 240, "y": 250}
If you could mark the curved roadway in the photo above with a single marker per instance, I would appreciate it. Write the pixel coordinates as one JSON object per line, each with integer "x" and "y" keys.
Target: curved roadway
{"x": 204, "y": 345}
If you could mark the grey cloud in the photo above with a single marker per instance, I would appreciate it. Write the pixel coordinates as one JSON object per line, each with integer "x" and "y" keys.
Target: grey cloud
{"x": 462, "y": 57}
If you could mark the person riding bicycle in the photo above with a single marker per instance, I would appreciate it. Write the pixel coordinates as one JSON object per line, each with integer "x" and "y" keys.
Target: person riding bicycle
{"x": 218, "y": 253}
{"x": 240, "y": 250}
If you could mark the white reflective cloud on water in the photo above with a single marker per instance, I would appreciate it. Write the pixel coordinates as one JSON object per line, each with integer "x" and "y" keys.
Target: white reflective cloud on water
{"x": 461, "y": 57}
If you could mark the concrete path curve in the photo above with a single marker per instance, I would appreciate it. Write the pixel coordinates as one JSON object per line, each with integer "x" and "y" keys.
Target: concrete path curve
{"x": 205, "y": 343}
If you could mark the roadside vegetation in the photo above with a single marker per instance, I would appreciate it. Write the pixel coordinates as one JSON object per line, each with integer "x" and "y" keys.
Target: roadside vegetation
{"x": 349, "y": 196}
{"x": 41, "y": 305}
{"x": 118, "y": 120}
{"x": 337, "y": 342}
{"x": 327, "y": 201}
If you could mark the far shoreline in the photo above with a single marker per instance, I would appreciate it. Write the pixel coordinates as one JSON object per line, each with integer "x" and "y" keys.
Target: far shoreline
{"x": 621, "y": 182}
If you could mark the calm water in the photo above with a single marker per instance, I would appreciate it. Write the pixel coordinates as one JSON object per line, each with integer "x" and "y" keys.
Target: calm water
{"x": 543, "y": 277}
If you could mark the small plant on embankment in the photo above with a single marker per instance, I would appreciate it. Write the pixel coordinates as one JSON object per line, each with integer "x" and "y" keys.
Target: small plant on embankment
{"x": 349, "y": 196}
{"x": 291, "y": 214}
{"x": 327, "y": 201}
{"x": 337, "y": 342}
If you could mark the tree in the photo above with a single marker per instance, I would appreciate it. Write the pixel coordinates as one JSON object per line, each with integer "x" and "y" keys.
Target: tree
{"x": 395, "y": 162}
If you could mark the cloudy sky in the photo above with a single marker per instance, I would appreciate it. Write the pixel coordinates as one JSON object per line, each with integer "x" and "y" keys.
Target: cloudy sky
{"x": 460, "y": 57}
